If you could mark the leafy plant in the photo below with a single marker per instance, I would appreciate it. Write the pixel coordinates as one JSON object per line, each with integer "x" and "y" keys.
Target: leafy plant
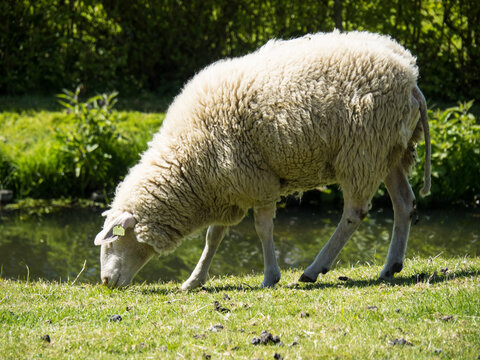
{"x": 455, "y": 134}
{"x": 91, "y": 146}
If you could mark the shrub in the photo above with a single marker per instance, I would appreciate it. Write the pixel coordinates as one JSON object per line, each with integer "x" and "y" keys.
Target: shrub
{"x": 455, "y": 135}
{"x": 91, "y": 150}
{"x": 89, "y": 147}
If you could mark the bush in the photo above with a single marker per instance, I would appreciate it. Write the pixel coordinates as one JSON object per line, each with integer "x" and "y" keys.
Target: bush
{"x": 455, "y": 134}
{"x": 91, "y": 150}
{"x": 87, "y": 148}
{"x": 156, "y": 45}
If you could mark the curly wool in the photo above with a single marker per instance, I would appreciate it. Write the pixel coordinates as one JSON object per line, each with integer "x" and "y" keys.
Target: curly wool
{"x": 294, "y": 115}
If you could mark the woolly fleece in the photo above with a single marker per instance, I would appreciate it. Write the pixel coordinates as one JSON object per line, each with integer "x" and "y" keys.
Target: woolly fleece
{"x": 294, "y": 115}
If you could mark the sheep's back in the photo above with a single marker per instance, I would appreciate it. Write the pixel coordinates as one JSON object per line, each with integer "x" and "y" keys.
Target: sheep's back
{"x": 334, "y": 111}
{"x": 297, "y": 114}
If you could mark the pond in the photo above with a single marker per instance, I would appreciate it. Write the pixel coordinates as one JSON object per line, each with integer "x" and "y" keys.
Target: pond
{"x": 56, "y": 246}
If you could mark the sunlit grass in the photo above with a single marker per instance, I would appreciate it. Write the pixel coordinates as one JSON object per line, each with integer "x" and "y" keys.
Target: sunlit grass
{"x": 432, "y": 308}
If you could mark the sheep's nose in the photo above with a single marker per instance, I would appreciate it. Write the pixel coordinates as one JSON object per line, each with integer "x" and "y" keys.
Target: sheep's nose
{"x": 105, "y": 280}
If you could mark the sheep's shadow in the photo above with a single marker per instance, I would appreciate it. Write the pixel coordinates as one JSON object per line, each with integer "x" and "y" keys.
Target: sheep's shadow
{"x": 204, "y": 289}
{"x": 431, "y": 278}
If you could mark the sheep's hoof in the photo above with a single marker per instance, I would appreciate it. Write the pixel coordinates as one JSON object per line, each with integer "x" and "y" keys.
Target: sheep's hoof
{"x": 385, "y": 277}
{"x": 191, "y": 284}
{"x": 387, "y": 274}
{"x": 305, "y": 278}
{"x": 267, "y": 285}
{"x": 271, "y": 280}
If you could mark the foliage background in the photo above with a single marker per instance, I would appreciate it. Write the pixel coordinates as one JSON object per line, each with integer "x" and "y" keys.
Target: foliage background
{"x": 156, "y": 45}
{"x": 147, "y": 49}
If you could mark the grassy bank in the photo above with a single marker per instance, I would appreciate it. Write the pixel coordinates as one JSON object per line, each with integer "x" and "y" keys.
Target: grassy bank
{"x": 53, "y": 154}
{"x": 71, "y": 154}
{"x": 431, "y": 311}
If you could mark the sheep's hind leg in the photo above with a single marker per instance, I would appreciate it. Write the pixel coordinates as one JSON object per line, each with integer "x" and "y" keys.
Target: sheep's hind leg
{"x": 403, "y": 201}
{"x": 353, "y": 213}
{"x": 215, "y": 234}
{"x": 264, "y": 227}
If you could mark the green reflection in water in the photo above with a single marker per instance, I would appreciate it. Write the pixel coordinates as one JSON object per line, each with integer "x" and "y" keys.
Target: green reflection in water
{"x": 55, "y": 246}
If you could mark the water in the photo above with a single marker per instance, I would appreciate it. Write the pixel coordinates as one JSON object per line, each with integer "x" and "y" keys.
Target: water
{"x": 56, "y": 246}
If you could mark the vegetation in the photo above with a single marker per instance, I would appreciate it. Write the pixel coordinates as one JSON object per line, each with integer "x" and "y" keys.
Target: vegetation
{"x": 455, "y": 134}
{"x": 46, "y": 45}
{"x": 146, "y": 49}
{"x": 90, "y": 146}
{"x": 86, "y": 148}
{"x": 430, "y": 311}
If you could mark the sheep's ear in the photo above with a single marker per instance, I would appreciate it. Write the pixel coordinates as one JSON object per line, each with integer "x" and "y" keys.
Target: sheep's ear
{"x": 116, "y": 228}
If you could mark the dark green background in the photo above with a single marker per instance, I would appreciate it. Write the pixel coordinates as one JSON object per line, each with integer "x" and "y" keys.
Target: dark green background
{"x": 155, "y": 46}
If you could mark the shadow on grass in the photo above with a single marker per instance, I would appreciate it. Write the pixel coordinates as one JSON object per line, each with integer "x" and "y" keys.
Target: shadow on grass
{"x": 431, "y": 278}
{"x": 204, "y": 289}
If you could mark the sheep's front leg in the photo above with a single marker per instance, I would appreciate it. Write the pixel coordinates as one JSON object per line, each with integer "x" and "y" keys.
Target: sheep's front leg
{"x": 351, "y": 218}
{"x": 403, "y": 201}
{"x": 264, "y": 227}
{"x": 215, "y": 234}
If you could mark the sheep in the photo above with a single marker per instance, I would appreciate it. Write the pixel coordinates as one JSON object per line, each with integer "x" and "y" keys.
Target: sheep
{"x": 326, "y": 108}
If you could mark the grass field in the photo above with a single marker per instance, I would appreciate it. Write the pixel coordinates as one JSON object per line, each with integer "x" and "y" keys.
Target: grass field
{"x": 431, "y": 311}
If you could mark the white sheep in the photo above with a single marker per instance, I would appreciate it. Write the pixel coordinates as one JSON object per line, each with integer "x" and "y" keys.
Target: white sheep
{"x": 294, "y": 115}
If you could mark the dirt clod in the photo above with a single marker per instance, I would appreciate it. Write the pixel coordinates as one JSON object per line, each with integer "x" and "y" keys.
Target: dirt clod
{"x": 255, "y": 341}
{"x": 46, "y": 338}
{"x": 277, "y": 356}
{"x": 446, "y": 317}
{"x": 400, "y": 341}
{"x": 304, "y": 314}
{"x": 207, "y": 356}
{"x": 216, "y": 328}
{"x": 219, "y": 308}
{"x": 265, "y": 339}
{"x": 343, "y": 278}
{"x": 372, "y": 307}
{"x": 115, "y": 317}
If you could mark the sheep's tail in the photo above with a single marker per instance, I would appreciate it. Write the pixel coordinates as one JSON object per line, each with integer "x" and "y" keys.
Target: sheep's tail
{"x": 427, "y": 182}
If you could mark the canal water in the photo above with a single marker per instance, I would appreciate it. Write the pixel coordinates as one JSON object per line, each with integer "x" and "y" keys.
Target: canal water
{"x": 56, "y": 246}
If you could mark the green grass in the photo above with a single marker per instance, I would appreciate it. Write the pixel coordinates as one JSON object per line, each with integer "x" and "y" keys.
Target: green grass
{"x": 434, "y": 305}
{"x": 33, "y": 162}
{"x": 29, "y": 133}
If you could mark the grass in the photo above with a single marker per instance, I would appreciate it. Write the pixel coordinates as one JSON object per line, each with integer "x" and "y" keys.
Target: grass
{"x": 33, "y": 162}
{"x": 432, "y": 309}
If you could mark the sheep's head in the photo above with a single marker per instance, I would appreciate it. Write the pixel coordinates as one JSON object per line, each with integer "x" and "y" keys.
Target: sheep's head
{"x": 121, "y": 255}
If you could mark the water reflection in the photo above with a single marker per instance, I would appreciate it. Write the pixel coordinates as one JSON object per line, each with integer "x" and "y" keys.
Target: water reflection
{"x": 56, "y": 246}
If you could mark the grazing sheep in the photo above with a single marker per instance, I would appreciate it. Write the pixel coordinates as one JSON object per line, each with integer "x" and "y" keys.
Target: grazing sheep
{"x": 322, "y": 109}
